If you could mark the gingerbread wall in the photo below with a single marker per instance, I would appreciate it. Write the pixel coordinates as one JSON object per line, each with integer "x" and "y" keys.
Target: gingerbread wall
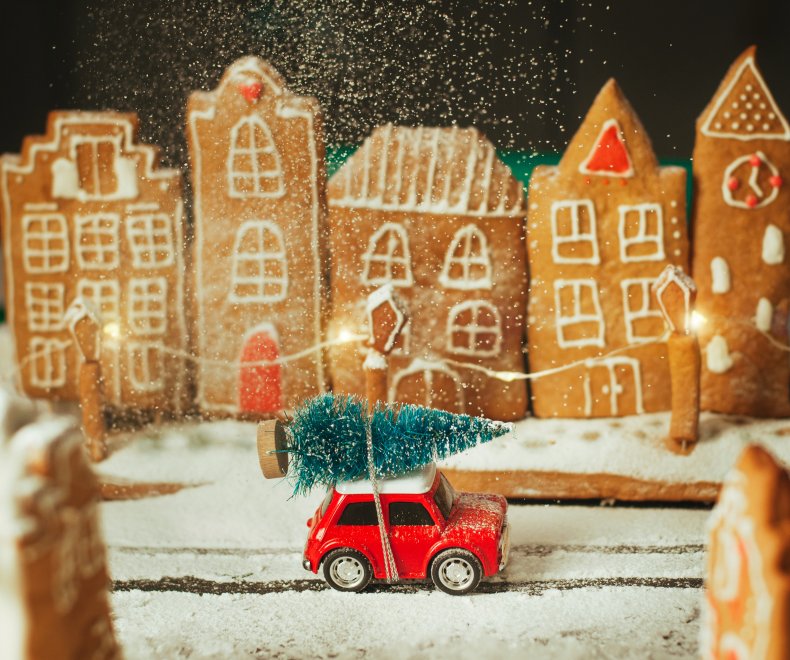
{"x": 86, "y": 211}
{"x": 435, "y": 212}
{"x": 741, "y": 222}
{"x": 259, "y": 241}
{"x": 602, "y": 225}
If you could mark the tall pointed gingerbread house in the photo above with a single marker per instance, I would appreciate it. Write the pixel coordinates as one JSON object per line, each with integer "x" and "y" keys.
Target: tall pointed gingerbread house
{"x": 741, "y": 223}
{"x": 257, "y": 157}
{"x": 602, "y": 225}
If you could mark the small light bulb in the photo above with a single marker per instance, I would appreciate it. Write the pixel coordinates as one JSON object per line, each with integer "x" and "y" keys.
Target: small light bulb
{"x": 112, "y": 330}
{"x": 345, "y": 335}
{"x": 697, "y": 321}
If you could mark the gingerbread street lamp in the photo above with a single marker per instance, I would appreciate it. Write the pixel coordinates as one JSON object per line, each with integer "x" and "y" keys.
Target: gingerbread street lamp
{"x": 675, "y": 293}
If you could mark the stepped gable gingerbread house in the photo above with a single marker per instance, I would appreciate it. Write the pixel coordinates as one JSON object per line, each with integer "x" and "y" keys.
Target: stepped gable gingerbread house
{"x": 437, "y": 214}
{"x": 86, "y": 211}
{"x": 257, "y": 156}
{"x": 602, "y": 226}
{"x": 741, "y": 226}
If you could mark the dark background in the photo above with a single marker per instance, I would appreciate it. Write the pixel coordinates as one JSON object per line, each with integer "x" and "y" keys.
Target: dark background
{"x": 524, "y": 72}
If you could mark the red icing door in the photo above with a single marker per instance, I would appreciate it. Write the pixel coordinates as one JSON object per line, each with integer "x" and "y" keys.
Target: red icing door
{"x": 260, "y": 385}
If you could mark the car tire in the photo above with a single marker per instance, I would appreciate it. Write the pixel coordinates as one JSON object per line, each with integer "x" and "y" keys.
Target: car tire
{"x": 347, "y": 570}
{"x": 456, "y": 571}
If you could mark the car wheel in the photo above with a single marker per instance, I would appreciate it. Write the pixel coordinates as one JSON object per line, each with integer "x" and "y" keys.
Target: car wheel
{"x": 456, "y": 571}
{"x": 347, "y": 570}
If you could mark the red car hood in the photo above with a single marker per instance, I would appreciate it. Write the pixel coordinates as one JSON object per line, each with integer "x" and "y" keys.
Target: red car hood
{"x": 477, "y": 514}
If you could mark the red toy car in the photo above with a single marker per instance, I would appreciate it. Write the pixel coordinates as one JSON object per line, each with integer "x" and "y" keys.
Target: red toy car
{"x": 457, "y": 538}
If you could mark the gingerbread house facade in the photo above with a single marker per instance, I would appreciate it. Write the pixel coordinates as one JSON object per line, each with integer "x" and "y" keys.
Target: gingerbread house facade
{"x": 602, "y": 226}
{"x": 741, "y": 164}
{"x": 87, "y": 212}
{"x": 259, "y": 246}
{"x": 434, "y": 212}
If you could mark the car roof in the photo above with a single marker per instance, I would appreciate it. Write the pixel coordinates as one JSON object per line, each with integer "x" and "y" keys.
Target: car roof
{"x": 415, "y": 482}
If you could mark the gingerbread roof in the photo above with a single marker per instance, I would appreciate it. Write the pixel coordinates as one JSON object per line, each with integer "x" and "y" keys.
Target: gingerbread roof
{"x": 427, "y": 170}
{"x": 743, "y": 107}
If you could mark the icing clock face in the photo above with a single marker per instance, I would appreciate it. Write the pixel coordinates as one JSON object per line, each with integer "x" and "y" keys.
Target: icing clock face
{"x": 751, "y": 182}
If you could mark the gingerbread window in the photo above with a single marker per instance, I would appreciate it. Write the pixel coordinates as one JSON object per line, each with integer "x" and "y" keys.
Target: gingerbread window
{"x": 474, "y": 328}
{"x": 97, "y": 241}
{"x": 47, "y": 359}
{"x": 260, "y": 267}
{"x": 148, "y": 305}
{"x": 105, "y": 296}
{"x": 467, "y": 264}
{"x": 254, "y": 166}
{"x": 573, "y": 232}
{"x": 44, "y": 306}
{"x": 643, "y": 319}
{"x": 145, "y": 366}
{"x": 151, "y": 240}
{"x": 579, "y": 318}
{"x": 45, "y": 244}
{"x": 96, "y": 158}
{"x": 641, "y": 232}
{"x": 387, "y": 259}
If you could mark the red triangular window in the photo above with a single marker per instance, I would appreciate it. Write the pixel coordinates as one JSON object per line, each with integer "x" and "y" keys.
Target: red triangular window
{"x": 608, "y": 157}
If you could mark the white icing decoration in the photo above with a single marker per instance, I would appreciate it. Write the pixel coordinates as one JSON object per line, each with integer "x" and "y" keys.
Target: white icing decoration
{"x": 260, "y": 264}
{"x": 674, "y": 274}
{"x": 473, "y": 331}
{"x": 79, "y": 310}
{"x": 764, "y": 314}
{"x": 773, "y": 245}
{"x": 718, "y": 356}
{"x": 147, "y": 306}
{"x": 44, "y": 306}
{"x": 104, "y": 296}
{"x": 387, "y": 259}
{"x": 96, "y": 241}
{"x": 126, "y": 176}
{"x": 753, "y": 183}
{"x": 638, "y": 305}
{"x": 467, "y": 252}
{"x": 426, "y": 369}
{"x": 580, "y": 288}
{"x": 643, "y": 236}
{"x": 374, "y": 361}
{"x": 576, "y": 236}
{"x": 605, "y": 127}
{"x": 45, "y": 246}
{"x": 383, "y": 295}
{"x": 251, "y": 142}
{"x": 145, "y": 365}
{"x": 614, "y": 388}
{"x": 749, "y": 64}
{"x": 65, "y": 179}
{"x": 47, "y": 362}
{"x": 124, "y": 168}
{"x": 720, "y": 275}
{"x": 151, "y": 240}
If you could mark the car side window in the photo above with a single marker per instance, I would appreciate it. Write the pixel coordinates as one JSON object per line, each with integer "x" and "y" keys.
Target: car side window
{"x": 409, "y": 513}
{"x": 359, "y": 513}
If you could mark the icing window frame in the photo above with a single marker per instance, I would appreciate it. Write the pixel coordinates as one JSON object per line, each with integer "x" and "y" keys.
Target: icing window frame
{"x": 397, "y": 241}
{"x": 259, "y": 143}
{"x": 44, "y": 306}
{"x": 147, "y": 305}
{"x": 265, "y": 286}
{"x": 473, "y": 331}
{"x": 469, "y": 260}
{"x": 644, "y": 310}
{"x": 643, "y": 236}
{"x": 97, "y": 236}
{"x": 105, "y": 296}
{"x": 50, "y": 354}
{"x": 563, "y": 321}
{"x": 96, "y": 164}
{"x": 144, "y": 351}
{"x": 150, "y": 238}
{"x": 49, "y": 244}
{"x": 576, "y": 235}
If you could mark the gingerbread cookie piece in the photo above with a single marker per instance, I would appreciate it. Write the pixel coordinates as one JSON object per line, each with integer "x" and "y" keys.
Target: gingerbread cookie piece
{"x": 602, "y": 225}
{"x": 259, "y": 252}
{"x": 741, "y": 223}
{"x": 747, "y": 602}
{"x": 435, "y": 213}
{"x": 86, "y": 211}
{"x": 53, "y": 573}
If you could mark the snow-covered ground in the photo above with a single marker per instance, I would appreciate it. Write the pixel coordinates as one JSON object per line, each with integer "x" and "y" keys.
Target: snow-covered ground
{"x": 214, "y": 571}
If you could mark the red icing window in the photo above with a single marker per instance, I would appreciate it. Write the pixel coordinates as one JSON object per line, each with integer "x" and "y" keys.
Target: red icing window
{"x": 608, "y": 157}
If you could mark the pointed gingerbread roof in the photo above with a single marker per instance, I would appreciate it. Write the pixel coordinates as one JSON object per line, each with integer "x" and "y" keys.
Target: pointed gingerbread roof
{"x": 428, "y": 170}
{"x": 743, "y": 107}
{"x": 611, "y": 142}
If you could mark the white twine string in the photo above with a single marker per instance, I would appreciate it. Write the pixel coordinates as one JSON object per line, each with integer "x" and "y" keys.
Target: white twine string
{"x": 390, "y": 570}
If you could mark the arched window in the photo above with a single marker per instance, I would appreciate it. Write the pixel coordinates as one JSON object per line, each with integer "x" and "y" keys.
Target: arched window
{"x": 467, "y": 264}
{"x": 387, "y": 258}
{"x": 474, "y": 328}
{"x": 260, "y": 268}
{"x": 254, "y": 167}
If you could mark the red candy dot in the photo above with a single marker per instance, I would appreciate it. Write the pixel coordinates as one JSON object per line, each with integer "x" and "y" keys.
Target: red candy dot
{"x": 776, "y": 181}
{"x": 755, "y": 161}
{"x": 587, "y": 181}
{"x": 751, "y": 201}
{"x": 606, "y": 182}
{"x": 733, "y": 183}
{"x": 623, "y": 182}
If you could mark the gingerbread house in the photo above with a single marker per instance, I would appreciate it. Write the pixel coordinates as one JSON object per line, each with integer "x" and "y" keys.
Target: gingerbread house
{"x": 53, "y": 574}
{"x": 602, "y": 226}
{"x": 741, "y": 223}
{"x": 259, "y": 242}
{"x": 86, "y": 211}
{"x": 434, "y": 212}
{"x": 747, "y": 598}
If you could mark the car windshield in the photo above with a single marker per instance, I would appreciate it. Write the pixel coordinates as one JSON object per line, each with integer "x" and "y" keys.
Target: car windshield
{"x": 445, "y": 496}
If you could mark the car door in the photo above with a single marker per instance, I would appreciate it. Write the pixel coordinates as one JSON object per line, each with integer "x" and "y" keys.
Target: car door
{"x": 357, "y": 527}
{"x": 413, "y": 532}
